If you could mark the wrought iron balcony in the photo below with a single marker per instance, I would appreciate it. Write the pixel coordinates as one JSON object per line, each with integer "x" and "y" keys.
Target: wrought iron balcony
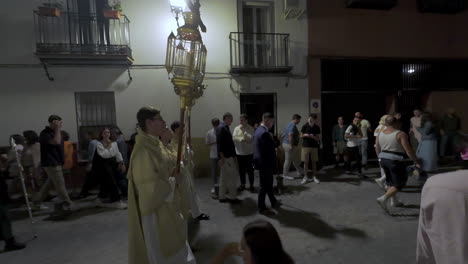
{"x": 259, "y": 53}
{"x": 73, "y": 38}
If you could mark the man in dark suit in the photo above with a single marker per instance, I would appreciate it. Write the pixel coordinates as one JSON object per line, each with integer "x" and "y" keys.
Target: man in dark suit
{"x": 265, "y": 162}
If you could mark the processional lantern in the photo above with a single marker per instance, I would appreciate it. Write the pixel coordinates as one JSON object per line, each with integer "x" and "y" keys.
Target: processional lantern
{"x": 186, "y": 59}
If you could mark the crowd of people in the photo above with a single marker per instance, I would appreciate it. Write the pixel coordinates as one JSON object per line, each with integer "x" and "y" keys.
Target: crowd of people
{"x": 145, "y": 176}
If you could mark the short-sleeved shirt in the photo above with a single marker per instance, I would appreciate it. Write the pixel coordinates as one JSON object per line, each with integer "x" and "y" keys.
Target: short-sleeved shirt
{"x": 310, "y": 142}
{"x": 352, "y": 142}
{"x": 365, "y": 125}
{"x": 291, "y": 129}
{"x": 51, "y": 154}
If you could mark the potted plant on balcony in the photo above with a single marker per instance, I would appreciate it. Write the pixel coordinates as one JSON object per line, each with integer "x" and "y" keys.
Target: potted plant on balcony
{"x": 114, "y": 11}
{"x": 51, "y": 8}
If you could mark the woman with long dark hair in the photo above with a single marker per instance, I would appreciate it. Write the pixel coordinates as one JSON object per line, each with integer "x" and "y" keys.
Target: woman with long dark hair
{"x": 260, "y": 244}
{"x": 106, "y": 163}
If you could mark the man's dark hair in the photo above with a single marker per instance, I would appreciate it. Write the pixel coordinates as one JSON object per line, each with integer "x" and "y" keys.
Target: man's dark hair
{"x": 267, "y": 115}
{"x": 314, "y": 116}
{"x": 144, "y": 114}
{"x": 246, "y": 117}
{"x": 31, "y": 137}
{"x": 226, "y": 115}
{"x": 52, "y": 118}
{"x": 116, "y": 130}
{"x": 265, "y": 243}
{"x": 175, "y": 125}
{"x": 296, "y": 117}
{"x": 215, "y": 122}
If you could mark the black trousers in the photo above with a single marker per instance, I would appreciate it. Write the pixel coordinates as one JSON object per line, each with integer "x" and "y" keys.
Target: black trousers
{"x": 5, "y": 223}
{"x": 354, "y": 154}
{"x": 266, "y": 188}
{"x": 107, "y": 171}
{"x": 246, "y": 167}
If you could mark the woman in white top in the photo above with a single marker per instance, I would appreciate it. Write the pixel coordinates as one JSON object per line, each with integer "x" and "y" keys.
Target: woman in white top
{"x": 353, "y": 134}
{"x": 106, "y": 163}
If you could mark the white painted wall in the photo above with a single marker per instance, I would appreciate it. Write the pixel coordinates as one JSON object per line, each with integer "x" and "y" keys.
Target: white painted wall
{"x": 27, "y": 98}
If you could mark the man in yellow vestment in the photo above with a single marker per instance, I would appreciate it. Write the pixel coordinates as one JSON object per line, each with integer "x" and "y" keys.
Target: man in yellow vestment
{"x": 157, "y": 230}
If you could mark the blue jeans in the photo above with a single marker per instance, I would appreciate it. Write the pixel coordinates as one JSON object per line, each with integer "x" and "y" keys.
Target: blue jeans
{"x": 363, "y": 150}
{"x": 447, "y": 144}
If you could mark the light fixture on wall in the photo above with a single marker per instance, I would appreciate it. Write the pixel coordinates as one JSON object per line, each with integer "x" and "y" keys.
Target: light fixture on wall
{"x": 186, "y": 62}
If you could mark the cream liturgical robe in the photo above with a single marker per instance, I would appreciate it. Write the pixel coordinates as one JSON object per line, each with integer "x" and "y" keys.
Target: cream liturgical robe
{"x": 188, "y": 194}
{"x": 157, "y": 229}
{"x": 443, "y": 222}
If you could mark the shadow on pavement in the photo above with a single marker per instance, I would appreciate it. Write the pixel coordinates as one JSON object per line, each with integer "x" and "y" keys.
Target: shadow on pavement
{"x": 312, "y": 224}
{"x": 248, "y": 207}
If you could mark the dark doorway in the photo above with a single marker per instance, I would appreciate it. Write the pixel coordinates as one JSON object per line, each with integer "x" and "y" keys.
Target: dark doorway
{"x": 255, "y": 105}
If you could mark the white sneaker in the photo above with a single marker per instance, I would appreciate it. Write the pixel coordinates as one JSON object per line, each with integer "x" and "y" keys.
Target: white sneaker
{"x": 394, "y": 202}
{"x": 287, "y": 177}
{"x": 39, "y": 207}
{"x": 316, "y": 180}
{"x": 115, "y": 205}
{"x": 381, "y": 183}
{"x": 304, "y": 180}
{"x": 383, "y": 203}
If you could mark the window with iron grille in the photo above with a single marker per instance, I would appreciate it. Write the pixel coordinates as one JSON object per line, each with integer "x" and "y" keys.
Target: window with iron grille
{"x": 94, "y": 111}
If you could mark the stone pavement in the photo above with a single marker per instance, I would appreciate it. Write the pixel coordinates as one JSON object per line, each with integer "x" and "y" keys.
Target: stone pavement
{"x": 336, "y": 221}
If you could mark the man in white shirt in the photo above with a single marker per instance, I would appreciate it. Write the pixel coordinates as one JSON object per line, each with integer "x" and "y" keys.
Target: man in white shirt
{"x": 210, "y": 140}
{"x": 364, "y": 141}
{"x": 243, "y": 140}
{"x": 415, "y": 122}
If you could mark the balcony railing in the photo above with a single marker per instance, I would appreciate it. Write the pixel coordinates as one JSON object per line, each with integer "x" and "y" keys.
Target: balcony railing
{"x": 259, "y": 52}
{"x": 73, "y": 38}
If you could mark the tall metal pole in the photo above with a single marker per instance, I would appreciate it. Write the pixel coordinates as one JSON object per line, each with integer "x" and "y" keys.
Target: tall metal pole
{"x": 23, "y": 184}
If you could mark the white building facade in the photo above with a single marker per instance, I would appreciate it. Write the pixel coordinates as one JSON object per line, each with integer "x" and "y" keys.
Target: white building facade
{"x": 28, "y": 97}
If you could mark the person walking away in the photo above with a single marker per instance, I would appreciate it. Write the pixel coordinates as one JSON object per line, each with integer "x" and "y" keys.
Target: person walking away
{"x": 290, "y": 143}
{"x": 427, "y": 149}
{"x": 339, "y": 142}
{"x": 227, "y": 161}
{"x": 210, "y": 140}
{"x": 391, "y": 146}
{"x": 243, "y": 140}
{"x": 265, "y": 162}
{"x": 310, "y": 134}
